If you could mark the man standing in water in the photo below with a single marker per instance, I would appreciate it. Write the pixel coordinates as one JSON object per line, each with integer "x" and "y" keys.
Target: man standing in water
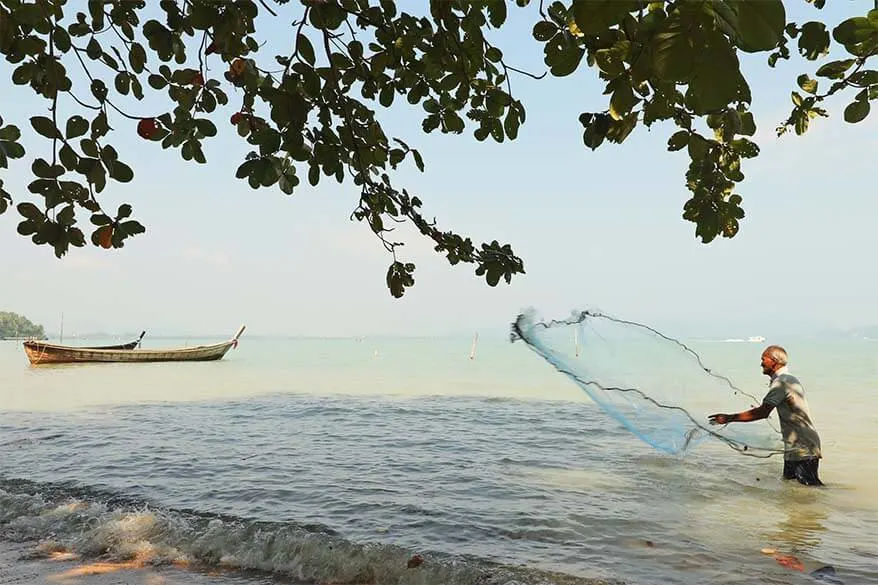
{"x": 801, "y": 442}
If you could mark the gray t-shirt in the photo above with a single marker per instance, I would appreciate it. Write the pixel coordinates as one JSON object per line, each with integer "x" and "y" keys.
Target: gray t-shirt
{"x": 800, "y": 438}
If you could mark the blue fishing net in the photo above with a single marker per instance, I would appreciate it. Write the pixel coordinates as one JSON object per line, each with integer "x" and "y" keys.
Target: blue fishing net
{"x": 655, "y": 386}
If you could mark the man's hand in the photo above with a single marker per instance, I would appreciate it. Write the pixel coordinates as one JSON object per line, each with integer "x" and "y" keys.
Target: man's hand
{"x": 720, "y": 419}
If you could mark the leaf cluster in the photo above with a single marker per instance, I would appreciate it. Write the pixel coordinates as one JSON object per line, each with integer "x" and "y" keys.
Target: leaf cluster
{"x": 310, "y": 115}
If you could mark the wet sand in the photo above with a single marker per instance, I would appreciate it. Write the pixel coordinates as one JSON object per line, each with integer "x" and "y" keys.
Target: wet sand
{"x": 28, "y": 564}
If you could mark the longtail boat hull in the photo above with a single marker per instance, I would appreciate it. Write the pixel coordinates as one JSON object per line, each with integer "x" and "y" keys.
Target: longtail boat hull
{"x": 39, "y": 352}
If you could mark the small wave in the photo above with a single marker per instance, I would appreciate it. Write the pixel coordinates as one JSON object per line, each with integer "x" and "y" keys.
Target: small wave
{"x": 95, "y": 524}
{"x": 32, "y": 440}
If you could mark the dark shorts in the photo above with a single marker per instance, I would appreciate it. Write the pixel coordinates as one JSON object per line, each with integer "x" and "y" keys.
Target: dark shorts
{"x": 803, "y": 470}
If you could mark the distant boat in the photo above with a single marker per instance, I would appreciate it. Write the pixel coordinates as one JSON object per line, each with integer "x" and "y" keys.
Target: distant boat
{"x": 756, "y": 339}
{"x": 129, "y": 345}
{"x": 39, "y": 352}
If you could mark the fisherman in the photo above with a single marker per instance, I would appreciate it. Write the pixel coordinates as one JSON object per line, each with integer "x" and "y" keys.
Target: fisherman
{"x": 785, "y": 393}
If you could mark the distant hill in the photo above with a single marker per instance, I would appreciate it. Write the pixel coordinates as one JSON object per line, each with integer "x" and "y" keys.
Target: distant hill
{"x": 13, "y": 325}
{"x": 871, "y": 332}
{"x": 854, "y": 333}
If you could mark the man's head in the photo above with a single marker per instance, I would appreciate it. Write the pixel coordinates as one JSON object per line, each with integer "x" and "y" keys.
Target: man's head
{"x": 773, "y": 358}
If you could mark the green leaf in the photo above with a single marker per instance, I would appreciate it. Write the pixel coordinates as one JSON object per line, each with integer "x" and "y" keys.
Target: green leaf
{"x": 511, "y": 124}
{"x": 156, "y": 81}
{"x": 99, "y": 90}
{"x": 67, "y": 216}
{"x": 205, "y": 127}
{"x": 673, "y": 51}
{"x": 814, "y": 40}
{"x": 856, "y": 111}
{"x": 698, "y": 147}
{"x": 717, "y": 79}
{"x": 30, "y": 211}
{"x": 99, "y": 126}
{"x": 562, "y": 56}
{"x": 745, "y": 148}
{"x": 123, "y": 83}
{"x": 623, "y": 99}
{"x": 41, "y": 169}
{"x": 399, "y": 277}
{"x": 9, "y": 133}
{"x": 93, "y": 49}
{"x": 137, "y": 57}
{"x": 496, "y": 12}
{"x": 132, "y": 228}
{"x": 807, "y": 84}
{"x": 544, "y": 30}
{"x": 385, "y": 96}
{"x": 854, "y": 31}
{"x": 759, "y": 24}
{"x": 596, "y": 128}
{"x": 596, "y": 16}
{"x": 89, "y": 148}
{"x": 68, "y": 157}
{"x": 62, "y": 39}
{"x": 288, "y": 182}
{"x": 610, "y": 61}
{"x": 678, "y": 140}
{"x": 45, "y": 127}
{"x": 835, "y": 69}
{"x": 121, "y": 172}
{"x": 305, "y": 49}
{"x": 76, "y": 127}
{"x": 865, "y": 77}
{"x": 450, "y": 81}
{"x": 100, "y": 219}
{"x": 748, "y": 124}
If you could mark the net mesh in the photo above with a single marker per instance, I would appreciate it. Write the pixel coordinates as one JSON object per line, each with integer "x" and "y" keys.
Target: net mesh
{"x": 655, "y": 386}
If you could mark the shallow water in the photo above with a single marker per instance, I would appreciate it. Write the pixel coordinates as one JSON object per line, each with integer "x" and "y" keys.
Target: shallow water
{"x": 337, "y": 460}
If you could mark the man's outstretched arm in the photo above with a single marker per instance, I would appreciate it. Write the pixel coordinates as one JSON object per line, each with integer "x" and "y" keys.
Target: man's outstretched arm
{"x": 760, "y": 412}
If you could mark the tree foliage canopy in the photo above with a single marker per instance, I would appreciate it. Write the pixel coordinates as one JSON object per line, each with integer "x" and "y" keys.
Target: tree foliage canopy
{"x": 15, "y": 325}
{"x": 311, "y": 112}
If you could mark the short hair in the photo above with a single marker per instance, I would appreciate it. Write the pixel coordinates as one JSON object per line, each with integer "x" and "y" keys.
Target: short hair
{"x": 777, "y": 354}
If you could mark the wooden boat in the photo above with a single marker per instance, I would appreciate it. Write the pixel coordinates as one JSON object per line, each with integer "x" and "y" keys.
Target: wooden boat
{"x": 39, "y": 352}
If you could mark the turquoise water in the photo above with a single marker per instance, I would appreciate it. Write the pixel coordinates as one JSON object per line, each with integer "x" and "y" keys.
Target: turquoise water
{"x": 336, "y": 460}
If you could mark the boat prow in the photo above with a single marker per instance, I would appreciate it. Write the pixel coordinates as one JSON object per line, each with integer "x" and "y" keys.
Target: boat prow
{"x": 39, "y": 352}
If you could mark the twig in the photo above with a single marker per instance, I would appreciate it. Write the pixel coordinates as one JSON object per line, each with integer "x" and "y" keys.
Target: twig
{"x": 267, "y": 7}
{"x": 531, "y": 75}
{"x": 82, "y": 103}
{"x": 367, "y": 180}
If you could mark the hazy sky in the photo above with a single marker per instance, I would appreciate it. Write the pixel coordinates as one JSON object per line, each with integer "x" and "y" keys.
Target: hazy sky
{"x": 595, "y": 229}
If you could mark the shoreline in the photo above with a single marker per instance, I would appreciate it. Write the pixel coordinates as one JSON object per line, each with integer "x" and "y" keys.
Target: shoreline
{"x": 40, "y": 563}
{"x": 24, "y": 563}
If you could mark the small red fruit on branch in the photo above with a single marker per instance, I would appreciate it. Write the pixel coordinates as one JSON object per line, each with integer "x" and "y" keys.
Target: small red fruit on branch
{"x": 147, "y": 127}
{"x": 238, "y": 67}
{"x": 105, "y": 237}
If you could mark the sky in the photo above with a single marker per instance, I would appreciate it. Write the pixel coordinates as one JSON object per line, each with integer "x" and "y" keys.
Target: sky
{"x": 596, "y": 229}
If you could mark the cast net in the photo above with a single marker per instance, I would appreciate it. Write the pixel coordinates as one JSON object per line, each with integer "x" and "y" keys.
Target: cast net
{"x": 655, "y": 386}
